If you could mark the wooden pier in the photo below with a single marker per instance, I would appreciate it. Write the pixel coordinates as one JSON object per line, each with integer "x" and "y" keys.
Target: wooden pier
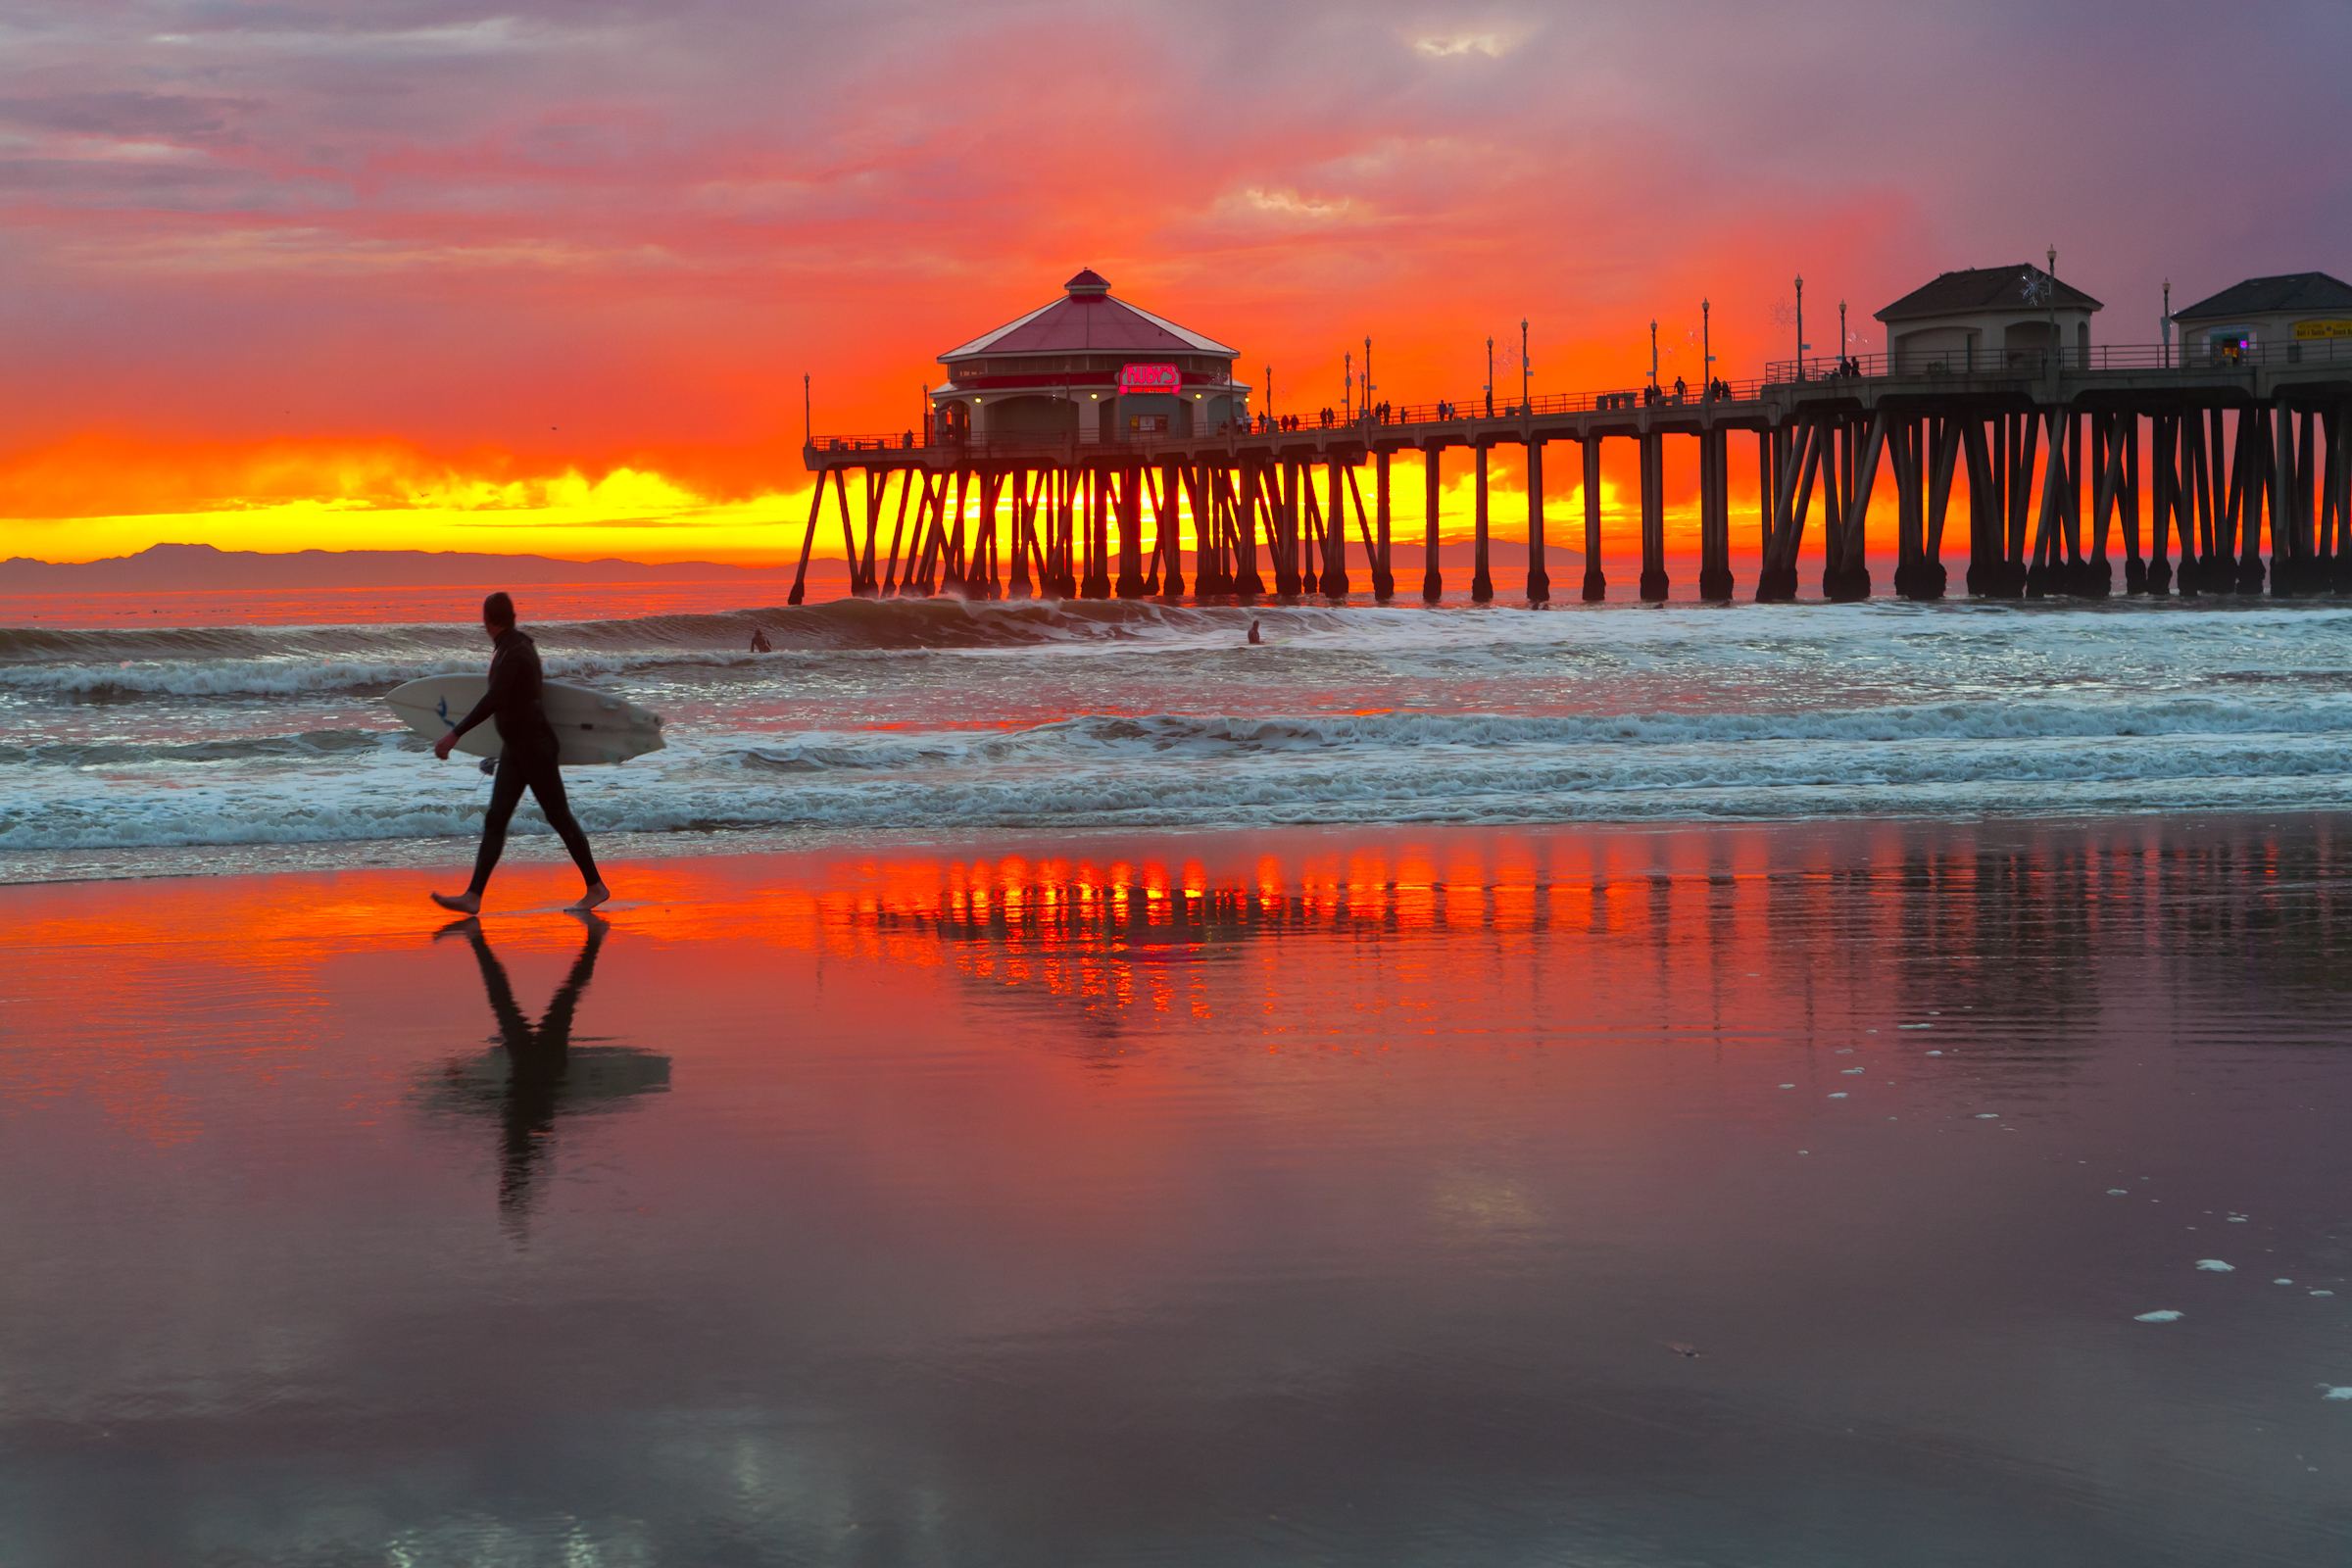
{"x": 2245, "y": 457}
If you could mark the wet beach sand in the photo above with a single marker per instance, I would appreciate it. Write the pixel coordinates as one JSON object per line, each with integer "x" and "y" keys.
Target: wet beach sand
{"x": 1792, "y": 1194}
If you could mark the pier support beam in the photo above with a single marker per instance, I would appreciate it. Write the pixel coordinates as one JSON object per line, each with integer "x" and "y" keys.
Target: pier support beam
{"x": 1597, "y": 586}
{"x": 1246, "y": 580}
{"x": 1169, "y": 545}
{"x": 1384, "y": 580}
{"x": 1653, "y": 516}
{"x": 1433, "y": 580}
{"x": 1131, "y": 531}
{"x": 2336, "y": 485}
{"x": 1714, "y": 515}
{"x": 2163, "y": 486}
{"x": 1849, "y": 579}
{"x": 1481, "y": 584}
{"x": 1796, "y": 460}
{"x": 1335, "y": 532}
{"x": 1096, "y": 584}
{"x": 1538, "y": 581}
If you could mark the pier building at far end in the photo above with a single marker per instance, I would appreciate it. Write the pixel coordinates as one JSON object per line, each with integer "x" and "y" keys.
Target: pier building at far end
{"x": 1088, "y": 367}
{"x": 2300, "y": 313}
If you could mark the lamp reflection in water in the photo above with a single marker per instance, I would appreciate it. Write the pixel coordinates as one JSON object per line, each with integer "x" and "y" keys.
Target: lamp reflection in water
{"x": 534, "y": 1073}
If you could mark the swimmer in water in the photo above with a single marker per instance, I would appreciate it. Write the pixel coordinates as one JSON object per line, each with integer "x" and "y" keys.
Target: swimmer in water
{"x": 760, "y": 642}
{"x": 1255, "y": 641}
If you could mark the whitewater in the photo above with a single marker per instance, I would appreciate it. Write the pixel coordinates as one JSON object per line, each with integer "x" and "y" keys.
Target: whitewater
{"x": 139, "y": 749}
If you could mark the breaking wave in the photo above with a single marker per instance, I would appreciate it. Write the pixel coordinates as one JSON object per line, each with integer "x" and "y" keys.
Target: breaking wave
{"x": 1101, "y": 770}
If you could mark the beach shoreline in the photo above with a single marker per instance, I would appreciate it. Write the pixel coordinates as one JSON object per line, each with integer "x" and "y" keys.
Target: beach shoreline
{"x": 537, "y": 857}
{"x": 531, "y": 845}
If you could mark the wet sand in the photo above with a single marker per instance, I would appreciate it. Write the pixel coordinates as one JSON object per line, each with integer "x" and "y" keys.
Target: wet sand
{"x": 1315, "y": 1195}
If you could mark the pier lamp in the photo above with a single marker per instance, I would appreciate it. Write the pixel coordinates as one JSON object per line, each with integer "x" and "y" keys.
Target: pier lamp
{"x": 1801, "y": 343}
{"x": 1526, "y": 405}
{"x": 1842, "y": 338}
{"x": 1489, "y": 387}
{"x": 1706, "y": 352}
{"x": 2053, "y": 254}
{"x": 2165, "y": 321}
{"x": 1653, "y": 353}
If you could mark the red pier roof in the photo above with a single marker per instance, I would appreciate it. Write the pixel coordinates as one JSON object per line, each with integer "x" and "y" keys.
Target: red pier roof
{"x": 1086, "y": 318}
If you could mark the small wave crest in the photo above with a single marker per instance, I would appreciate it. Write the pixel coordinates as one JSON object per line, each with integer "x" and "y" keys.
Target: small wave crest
{"x": 289, "y": 660}
{"x": 1107, "y": 735}
{"x": 309, "y": 745}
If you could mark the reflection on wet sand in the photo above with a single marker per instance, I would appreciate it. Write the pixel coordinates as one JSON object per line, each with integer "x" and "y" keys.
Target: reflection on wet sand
{"x": 1930, "y": 915}
{"x": 535, "y": 1073}
{"x": 1353, "y": 1196}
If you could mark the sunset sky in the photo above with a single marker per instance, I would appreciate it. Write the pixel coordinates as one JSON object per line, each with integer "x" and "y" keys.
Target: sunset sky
{"x": 546, "y": 276}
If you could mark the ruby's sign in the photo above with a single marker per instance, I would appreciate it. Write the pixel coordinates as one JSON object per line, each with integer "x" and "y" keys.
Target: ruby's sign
{"x": 1149, "y": 378}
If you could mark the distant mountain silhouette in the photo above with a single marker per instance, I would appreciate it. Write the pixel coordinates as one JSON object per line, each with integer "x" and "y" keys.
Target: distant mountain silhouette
{"x": 163, "y": 568}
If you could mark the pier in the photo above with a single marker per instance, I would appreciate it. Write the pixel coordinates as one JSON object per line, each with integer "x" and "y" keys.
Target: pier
{"x": 2245, "y": 482}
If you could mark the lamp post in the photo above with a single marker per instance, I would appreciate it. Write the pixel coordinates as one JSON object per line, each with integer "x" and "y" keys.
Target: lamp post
{"x": 807, "y": 419}
{"x": 1367, "y": 379}
{"x": 2053, "y": 277}
{"x": 1489, "y": 387}
{"x": 1526, "y": 409}
{"x": 1842, "y": 338}
{"x": 1801, "y": 343}
{"x": 1706, "y": 352}
{"x": 1347, "y": 387}
{"x": 1270, "y": 397}
{"x": 1654, "y": 355}
{"x": 2166, "y": 322}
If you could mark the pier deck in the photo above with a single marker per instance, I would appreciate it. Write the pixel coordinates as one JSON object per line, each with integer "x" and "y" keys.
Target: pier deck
{"x": 2230, "y": 442}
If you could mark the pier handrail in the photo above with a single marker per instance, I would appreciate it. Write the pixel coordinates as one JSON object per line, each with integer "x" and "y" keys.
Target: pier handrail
{"x": 2186, "y": 359}
{"x": 2193, "y": 356}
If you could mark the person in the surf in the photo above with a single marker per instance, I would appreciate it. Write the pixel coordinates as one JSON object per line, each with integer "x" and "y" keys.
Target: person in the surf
{"x": 760, "y": 642}
{"x": 1254, "y": 638}
{"x": 527, "y": 757}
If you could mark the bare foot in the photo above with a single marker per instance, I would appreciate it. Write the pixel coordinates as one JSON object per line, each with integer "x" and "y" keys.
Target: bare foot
{"x": 462, "y": 902}
{"x": 589, "y": 900}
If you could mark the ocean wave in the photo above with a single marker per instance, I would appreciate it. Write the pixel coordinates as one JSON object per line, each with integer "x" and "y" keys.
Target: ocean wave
{"x": 1214, "y": 735}
{"x": 1931, "y": 642}
{"x": 1166, "y": 773}
{"x": 844, "y": 624}
{"x": 308, "y": 746}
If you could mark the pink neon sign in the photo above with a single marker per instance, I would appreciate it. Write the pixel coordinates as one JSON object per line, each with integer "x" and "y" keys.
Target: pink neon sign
{"x": 1149, "y": 378}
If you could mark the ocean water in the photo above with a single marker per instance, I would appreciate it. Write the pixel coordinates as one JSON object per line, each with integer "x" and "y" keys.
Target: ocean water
{"x": 130, "y": 749}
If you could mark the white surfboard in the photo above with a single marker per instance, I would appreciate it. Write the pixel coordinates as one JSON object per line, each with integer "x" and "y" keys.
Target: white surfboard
{"x": 591, "y": 727}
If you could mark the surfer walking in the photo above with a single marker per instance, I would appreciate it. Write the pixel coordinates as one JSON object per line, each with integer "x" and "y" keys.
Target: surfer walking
{"x": 527, "y": 758}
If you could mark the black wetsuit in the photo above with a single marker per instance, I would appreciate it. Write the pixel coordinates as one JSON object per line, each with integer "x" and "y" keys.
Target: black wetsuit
{"x": 527, "y": 757}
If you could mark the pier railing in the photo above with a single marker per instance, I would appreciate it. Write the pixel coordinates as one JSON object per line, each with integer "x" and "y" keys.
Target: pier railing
{"x": 1983, "y": 361}
{"x": 2195, "y": 358}
{"x": 1380, "y": 417}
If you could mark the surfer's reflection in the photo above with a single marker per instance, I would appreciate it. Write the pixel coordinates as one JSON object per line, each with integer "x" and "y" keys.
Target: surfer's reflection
{"x": 535, "y": 1073}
